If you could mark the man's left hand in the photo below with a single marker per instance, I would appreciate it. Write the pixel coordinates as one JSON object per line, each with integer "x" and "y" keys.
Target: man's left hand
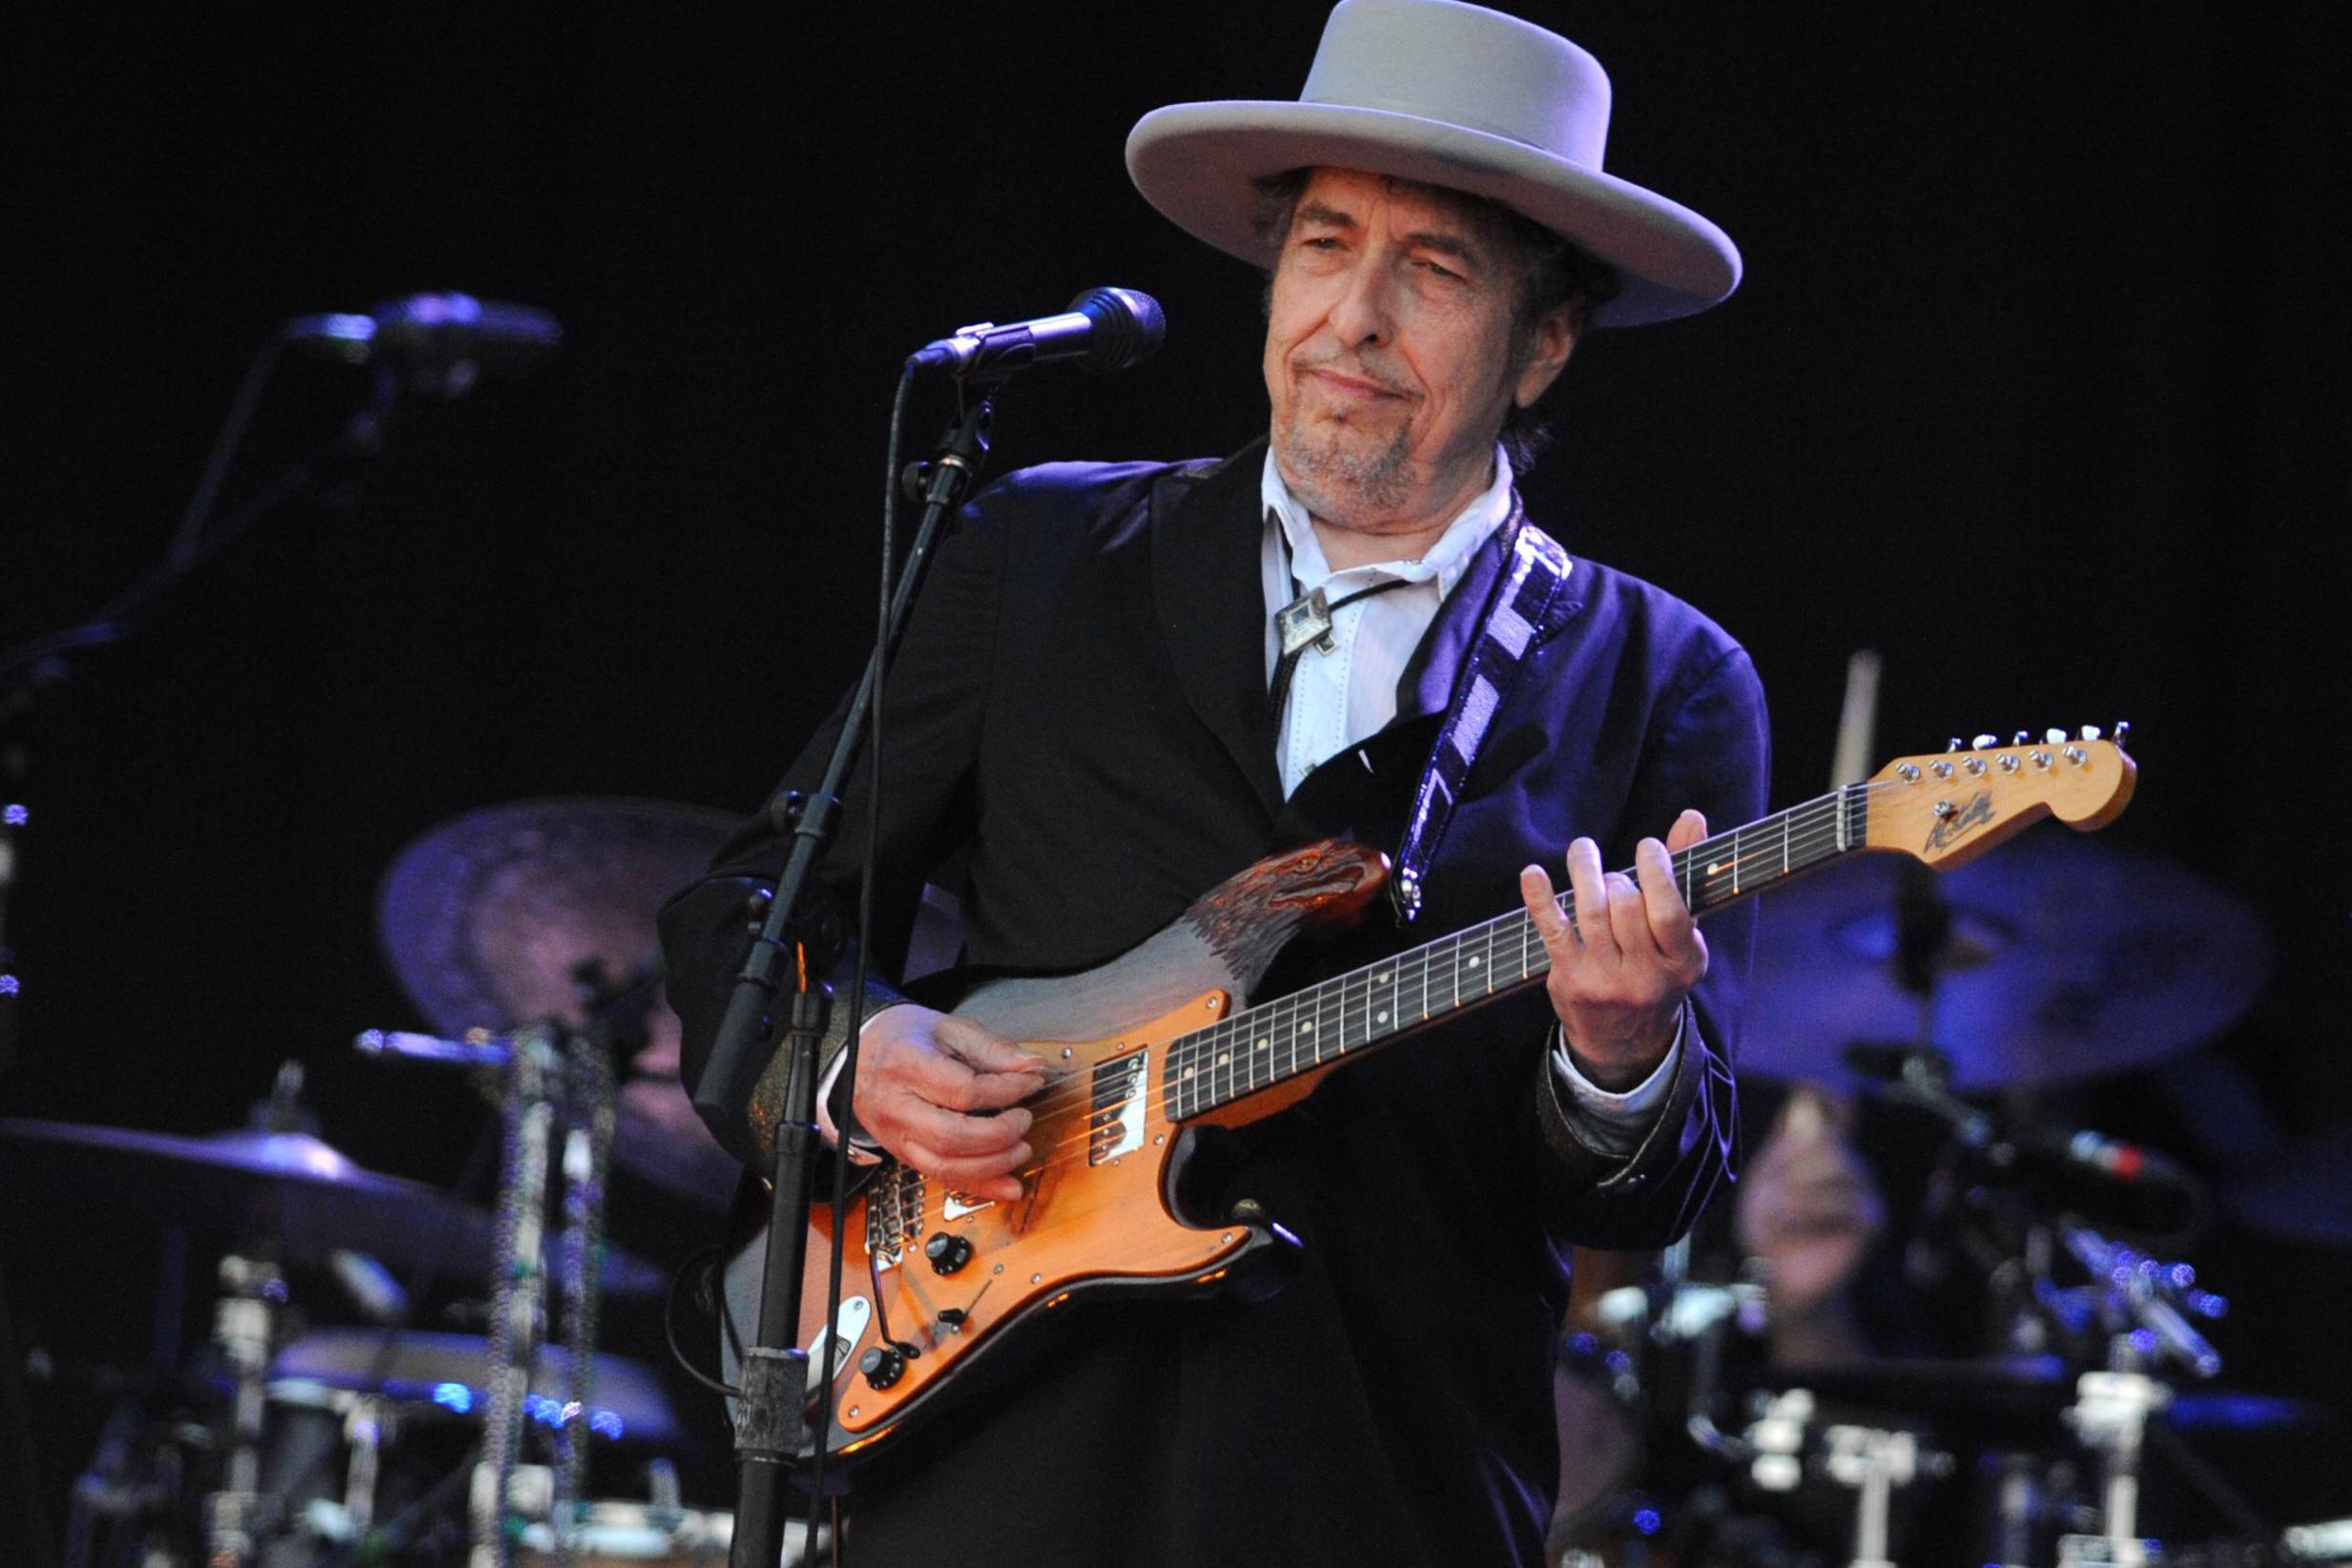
{"x": 1621, "y": 971}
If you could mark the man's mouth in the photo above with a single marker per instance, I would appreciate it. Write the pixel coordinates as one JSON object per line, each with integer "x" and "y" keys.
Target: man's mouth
{"x": 1340, "y": 384}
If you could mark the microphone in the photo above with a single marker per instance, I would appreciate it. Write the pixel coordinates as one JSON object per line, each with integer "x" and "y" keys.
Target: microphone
{"x": 439, "y": 342}
{"x": 2081, "y": 1164}
{"x": 2094, "y": 1154}
{"x": 1103, "y": 329}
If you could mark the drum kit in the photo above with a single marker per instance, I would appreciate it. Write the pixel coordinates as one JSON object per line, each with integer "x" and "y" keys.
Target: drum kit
{"x": 525, "y": 936}
{"x": 1692, "y": 1435}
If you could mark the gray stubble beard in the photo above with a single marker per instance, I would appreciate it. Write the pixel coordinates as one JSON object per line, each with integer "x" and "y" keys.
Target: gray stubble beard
{"x": 1338, "y": 483}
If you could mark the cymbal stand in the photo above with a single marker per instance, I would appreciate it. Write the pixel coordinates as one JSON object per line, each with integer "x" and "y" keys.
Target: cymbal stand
{"x": 2142, "y": 1302}
{"x": 518, "y": 1288}
{"x": 1873, "y": 1462}
{"x": 238, "y": 1517}
{"x": 588, "y": 1144}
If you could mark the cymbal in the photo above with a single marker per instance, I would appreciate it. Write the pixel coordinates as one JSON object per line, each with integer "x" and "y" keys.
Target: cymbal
{"x": 2066, "y": 957}
{"x": 488, "y": 917}
{"x": 409, "y": 1366}
{"x": 289, "y": 1188}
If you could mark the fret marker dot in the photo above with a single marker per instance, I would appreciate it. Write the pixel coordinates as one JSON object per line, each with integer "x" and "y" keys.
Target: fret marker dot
{"x": 1473, "y": 963}
{"x": 1715, "y": 867}
{"x": 1384, "y": 979}
{"x": 1187, "y": 1071}
{"x": 1224, "y": 1057}
{"x": 1306, "y": 1028}
{"x": 1381, "y": 1018}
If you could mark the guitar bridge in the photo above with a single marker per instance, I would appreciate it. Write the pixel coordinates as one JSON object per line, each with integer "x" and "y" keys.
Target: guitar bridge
{"x": 894, "y": 1215}
{"x": 1117, "y": 1125}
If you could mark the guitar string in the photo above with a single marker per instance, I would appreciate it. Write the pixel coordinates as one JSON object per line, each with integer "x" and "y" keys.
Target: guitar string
{"x": 1355, "y": 988}
{"x": 1772, "y": 848}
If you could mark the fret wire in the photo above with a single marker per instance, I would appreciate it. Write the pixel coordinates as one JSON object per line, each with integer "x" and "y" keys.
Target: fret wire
{"x": 1811, "y": 833}
{"x": 1228, "y": 1068}
{"x": 1287, "y": 1024}
{"x": 1322, "y": 1032}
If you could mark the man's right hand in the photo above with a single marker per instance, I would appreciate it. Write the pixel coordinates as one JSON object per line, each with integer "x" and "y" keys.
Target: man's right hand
{"x": 943, "y": 1095}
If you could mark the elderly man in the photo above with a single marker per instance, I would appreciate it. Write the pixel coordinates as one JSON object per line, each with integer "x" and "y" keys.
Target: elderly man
{"x": 1123, "y": 684}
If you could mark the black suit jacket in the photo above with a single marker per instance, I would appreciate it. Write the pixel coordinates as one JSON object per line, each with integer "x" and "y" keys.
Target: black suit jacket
{"x": 1078, "y": 716}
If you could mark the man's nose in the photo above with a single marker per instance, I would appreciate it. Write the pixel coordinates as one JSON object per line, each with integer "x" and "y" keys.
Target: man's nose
{"x": 1361, "y": 313}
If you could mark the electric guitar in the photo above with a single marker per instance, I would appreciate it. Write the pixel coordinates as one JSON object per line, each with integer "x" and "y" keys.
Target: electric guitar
{"x": 939, "y": 1284}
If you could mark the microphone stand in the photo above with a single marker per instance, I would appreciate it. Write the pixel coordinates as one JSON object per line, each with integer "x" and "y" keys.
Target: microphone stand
{"x": 771, "y": 1422}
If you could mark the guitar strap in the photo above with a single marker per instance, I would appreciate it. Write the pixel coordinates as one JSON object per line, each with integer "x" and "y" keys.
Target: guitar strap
{"x": 1537, "y": 570}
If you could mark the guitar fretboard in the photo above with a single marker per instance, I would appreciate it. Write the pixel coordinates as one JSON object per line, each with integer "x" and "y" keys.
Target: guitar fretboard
{"x": 1261, "y": 1046}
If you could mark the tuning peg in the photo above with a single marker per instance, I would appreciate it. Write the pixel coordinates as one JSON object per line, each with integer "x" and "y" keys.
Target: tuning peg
{"x": 2054, "y": 738}
{"x": 1982, "y": 743}
{"x": 2020, "y": 739}
{"x": 2091, "y": 732}
{"x": 2123, "y": 733}
{"x": 1955, "y": 744}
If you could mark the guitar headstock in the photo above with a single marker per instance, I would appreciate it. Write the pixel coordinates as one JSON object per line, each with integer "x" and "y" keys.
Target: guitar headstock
{"x": 1950, "y": 808}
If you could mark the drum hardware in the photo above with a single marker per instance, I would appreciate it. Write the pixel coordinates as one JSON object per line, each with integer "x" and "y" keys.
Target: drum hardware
{"x": 1871, "y": 1461}
{"x": 555, "y": 1081}
{"x": 238, "y": 1517}
{"x": 421, "y": 1375}
{"x": 2143, "y": 1305}
{"x": 614, "y": 1533}
{"x": 2330, "y": 1541}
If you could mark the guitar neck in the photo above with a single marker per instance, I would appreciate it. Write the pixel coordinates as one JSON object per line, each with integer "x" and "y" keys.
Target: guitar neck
{"x": 1261, "y": 1046}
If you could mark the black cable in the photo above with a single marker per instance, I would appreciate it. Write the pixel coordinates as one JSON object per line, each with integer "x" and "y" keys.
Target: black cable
{"x": 866, "y": 876}
{"x": 702, "y": 1260}
{"x": 216, "y": 462}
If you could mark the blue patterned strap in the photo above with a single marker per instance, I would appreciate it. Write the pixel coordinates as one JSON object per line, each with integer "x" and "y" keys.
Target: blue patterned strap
{"x": 1537, "y": 572}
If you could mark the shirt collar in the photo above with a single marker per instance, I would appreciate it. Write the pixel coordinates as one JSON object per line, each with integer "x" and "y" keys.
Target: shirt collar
{"x": 1444, "y": 562}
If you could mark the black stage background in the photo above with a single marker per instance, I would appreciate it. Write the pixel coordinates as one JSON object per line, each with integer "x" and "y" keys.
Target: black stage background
{"x": 2037, "y": 384}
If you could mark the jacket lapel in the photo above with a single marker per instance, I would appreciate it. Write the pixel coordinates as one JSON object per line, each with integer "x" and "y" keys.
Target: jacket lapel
{"x": 1206, "y": 548}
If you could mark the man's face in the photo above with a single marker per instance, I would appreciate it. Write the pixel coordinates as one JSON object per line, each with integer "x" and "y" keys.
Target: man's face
{"x": 1390, "y": 352}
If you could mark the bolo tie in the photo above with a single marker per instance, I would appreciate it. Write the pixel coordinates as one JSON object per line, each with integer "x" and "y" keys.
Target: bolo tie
{"x": 1305, "y": 623}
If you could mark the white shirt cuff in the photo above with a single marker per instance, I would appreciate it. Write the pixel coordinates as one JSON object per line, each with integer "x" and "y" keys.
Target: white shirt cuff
{"x": 862, "y": 1150}
{"x": 1618, "y": 1123}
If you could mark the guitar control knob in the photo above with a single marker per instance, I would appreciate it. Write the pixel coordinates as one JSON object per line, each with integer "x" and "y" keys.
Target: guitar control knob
{"x": 947, "y": 1252}
{"x": 882, "y": 1367}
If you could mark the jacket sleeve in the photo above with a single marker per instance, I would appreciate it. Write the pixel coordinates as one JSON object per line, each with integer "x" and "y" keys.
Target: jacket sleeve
{"x": 931, "y": 713}
{"x": 1712, "y": 752}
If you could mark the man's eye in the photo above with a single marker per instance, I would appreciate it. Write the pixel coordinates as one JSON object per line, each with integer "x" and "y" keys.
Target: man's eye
{"x": 1441, "y": 270}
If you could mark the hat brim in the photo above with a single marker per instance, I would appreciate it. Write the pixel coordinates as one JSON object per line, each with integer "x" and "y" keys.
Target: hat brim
{"x": 1197, "y": 162}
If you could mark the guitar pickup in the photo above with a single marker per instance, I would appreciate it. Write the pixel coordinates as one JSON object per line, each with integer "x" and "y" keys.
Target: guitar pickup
{"x": 1116, "y": 1126}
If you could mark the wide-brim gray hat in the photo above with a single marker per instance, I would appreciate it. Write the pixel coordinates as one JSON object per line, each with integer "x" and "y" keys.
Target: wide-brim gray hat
{"x": 1453, "y": 95}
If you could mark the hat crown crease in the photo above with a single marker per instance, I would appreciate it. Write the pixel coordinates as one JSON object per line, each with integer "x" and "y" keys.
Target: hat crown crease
{"x": 1474, "y": 70}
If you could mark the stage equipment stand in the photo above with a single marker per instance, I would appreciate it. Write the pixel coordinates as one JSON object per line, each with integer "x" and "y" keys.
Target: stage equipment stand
{"x": 770, "y": 1424}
